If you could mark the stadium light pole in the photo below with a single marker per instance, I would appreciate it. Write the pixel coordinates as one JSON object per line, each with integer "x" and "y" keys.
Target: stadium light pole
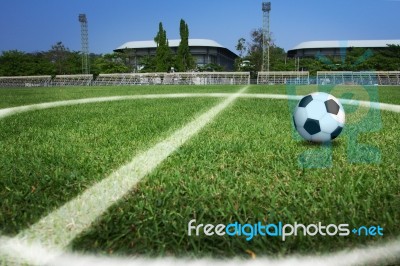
{"x": 84, "y": 43}
{"x": 266, "y": 8}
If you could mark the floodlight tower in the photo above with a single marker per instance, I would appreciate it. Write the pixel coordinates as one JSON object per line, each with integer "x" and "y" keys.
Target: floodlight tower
{"x": 266, "y": 8}
{"x": 85, "y": 44}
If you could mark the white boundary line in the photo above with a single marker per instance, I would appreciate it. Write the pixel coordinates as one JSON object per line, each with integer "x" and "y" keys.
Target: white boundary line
{"x": 40, "y": 106}
{"x": 384, "y": 254}
{"x": 39, "y": 244}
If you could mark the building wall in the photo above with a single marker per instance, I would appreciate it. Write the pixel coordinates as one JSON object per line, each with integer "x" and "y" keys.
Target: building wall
{"x": 312, "y": 52}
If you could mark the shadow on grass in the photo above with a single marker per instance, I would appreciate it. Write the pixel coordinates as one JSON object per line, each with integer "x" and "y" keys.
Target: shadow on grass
{"x": 317, "y": 155}
{"x": 336, "y": 143}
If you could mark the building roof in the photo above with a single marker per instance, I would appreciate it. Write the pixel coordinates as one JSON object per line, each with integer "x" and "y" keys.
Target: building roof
{"x": 172, "y": 43}
{"x": 345, "y": 44}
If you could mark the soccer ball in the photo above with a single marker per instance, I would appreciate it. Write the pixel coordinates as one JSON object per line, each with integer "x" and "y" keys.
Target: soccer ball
{"x": 319, "y": 117}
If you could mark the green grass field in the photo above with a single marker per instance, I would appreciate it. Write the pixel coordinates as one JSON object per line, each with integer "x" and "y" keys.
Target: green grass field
{"x": 243, "y": 167}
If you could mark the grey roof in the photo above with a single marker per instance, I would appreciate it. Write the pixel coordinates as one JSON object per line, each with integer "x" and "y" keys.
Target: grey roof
{"x": 172, "y": 43}
{"x": 345, "y": 44}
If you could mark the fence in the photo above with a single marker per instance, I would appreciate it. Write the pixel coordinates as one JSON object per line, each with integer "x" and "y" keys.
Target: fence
{"x": 72, "y": 80}
{"x": 208, "y": 78}
{"x": 358, "y": 78}
{"x": 283, "y": 77}
{"x": 195, "y": 78}
{"x": 25, "y": 81}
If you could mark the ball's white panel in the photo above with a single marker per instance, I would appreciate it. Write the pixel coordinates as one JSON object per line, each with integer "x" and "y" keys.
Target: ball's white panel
{"x": 316, "y": 109}
{"x": 328, "y": 123}
{"x": 333, "y": 98}
{"x": 321, "y": 137}
{"x": 320, "y": 96}
{"x": 340, "y": 117}
{"x": 303, "y": 133}
{"x": 300, "y": 116}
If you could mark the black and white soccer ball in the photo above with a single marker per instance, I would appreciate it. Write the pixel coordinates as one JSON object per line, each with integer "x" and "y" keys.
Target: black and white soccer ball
{"x": 319, "y": 117}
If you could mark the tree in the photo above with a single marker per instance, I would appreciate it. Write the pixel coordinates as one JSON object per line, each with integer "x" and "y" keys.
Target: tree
{"x": 147, "y": 64}
{"x": 278, "y": 60}
{"x": 58, "y": 56}
{"x": 255, "y": 49}
{"x": 211, "y": 68}
{"x": 17, "y": 63}
{"x": 41, "y": 64}
{"x": 390, "y": 57}
{"x": 254, "y": 57}
{"x": 14, "y": 63}
{"x": 110, "y": 63}
{"x": 184, "y": 60}
{"x": 128, "y": 58}
{"x": 163, "y": 52}
{"x": 64, "y": 61}
{"x": 241, "y": 46}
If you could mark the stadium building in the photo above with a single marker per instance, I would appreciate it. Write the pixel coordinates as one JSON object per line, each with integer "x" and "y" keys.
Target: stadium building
{"x": 336, "y": 48}
{"x": 203, "y": 50}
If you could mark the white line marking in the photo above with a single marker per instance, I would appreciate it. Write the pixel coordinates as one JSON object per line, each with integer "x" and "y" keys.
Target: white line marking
{"x": 40, "y": 106}
{"x": 26, "y": 108}
{"x": 384, "y": 254}
{"x": 60, "y": 227}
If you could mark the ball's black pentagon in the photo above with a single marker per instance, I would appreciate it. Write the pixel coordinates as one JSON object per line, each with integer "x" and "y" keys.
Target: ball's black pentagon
{"x": 336, "y": 133}
{"x": 332, "y": 107}
{"x": 312, "y": 126}
{"x": 305, "y": 101}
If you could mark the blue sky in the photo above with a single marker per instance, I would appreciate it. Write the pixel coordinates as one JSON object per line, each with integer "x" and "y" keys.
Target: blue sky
{"x": 34, "y": 25}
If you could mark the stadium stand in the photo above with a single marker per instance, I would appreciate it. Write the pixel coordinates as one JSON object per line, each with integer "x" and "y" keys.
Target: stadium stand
{"x": 193, "y": 78}
{"x": 25, "y": 81}
{"x": 283, "y": 77}
{"x": 358, "y": 78}
{"x": 72, "y": 80}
